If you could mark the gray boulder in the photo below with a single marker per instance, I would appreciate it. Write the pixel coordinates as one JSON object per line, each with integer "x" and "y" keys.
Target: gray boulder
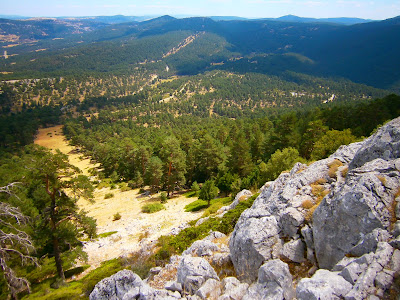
{"x": 233, "y": 289}
{"x": 241, "y": 196}
{"x": 201, "y": 248}
{"x": 192, "y": 272}
{"x": 276, "y": 271}
{"x": 173, "y": 286}
{"x": 116, "y": 286}
{"x": 323, "y": 285}
{"x": 294, "y": 251}
{"x": 274, "y": 282}
{"x": 370, "y": 242}
{"x": 354, "y": 211}
{"x": 385, "y": 144}
{"x": 211, "y": 289}
{"x": 291, "y": 221}
{"x": 254, "y": 241}
{"x": 365, "y": 284}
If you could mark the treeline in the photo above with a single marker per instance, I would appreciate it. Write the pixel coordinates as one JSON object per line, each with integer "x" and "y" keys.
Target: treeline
{"x": 19, "y": 129}
{"x": 242, "y": 153}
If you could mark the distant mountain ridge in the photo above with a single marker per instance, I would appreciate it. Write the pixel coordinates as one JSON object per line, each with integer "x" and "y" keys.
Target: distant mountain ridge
{"x": 122, "y": 19}
{"x": 364, "y": 53}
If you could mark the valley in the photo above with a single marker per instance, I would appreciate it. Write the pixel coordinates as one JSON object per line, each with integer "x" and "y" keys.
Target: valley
{"x": 210, "y": 142}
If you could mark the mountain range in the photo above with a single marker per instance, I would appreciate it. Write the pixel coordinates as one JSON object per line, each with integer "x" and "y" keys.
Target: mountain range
{"x": 364, "y": 53}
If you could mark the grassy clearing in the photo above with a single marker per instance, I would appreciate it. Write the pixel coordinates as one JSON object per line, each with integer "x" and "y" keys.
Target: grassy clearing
{"x": 201, "y": 204}
{"x": 79, "y": 289}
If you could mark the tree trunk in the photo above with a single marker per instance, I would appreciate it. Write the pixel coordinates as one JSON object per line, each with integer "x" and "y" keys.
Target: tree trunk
{"x": 56, "y": 245}
{"x": 57, "y": 258}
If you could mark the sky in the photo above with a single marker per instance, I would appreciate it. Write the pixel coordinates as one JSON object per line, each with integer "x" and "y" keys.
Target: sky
{"x": 367, "y": 9}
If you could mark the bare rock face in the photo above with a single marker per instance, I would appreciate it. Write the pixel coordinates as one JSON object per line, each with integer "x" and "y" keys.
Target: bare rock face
{"x": 193, "y": 272}
{"x": 384, "y": 144}
{"x": 116, "y": 286}
{"x": 323, "y": 285}
{"x": 364, "y": 202}
{"x": 277, "y": 214}
{"x": 254, "y": 241}
{"x": 274, "y": 282}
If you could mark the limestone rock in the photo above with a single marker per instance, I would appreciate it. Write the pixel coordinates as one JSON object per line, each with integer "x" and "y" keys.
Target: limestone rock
{"x": 355, "y": 210}
{"x": 254, "y": 241}
{"x": 385, "y": 144}
{"x": 276, "y": 271}
{"x": 116, "y": 286}
{"x": 211, "y": 289}
{"x": 370, "y": 242}
{"x": 193, "y": 283}
{"x": 174, "y": 286}
{"x": 365, "y": 284}
{"x": 294, "y": 251}
{"x": 323, "y": 285}
{"x": 232, "y": 289}
{"x": 201, "y": 248}
{"x": 291, "y": 221}
{"x": 194, "y": 271}
{"x": 241, "y": 196}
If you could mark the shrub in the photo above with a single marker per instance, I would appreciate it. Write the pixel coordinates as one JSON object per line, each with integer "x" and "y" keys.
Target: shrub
{"x": 333, "y": 168}
{"x": 279, "y": 162}
{"x": 195, "y": 187}
{"x": 208, "y": 191}
{"x": 307, "y": 204}
{"x": 106, "y": 234}
{"x": 345, "y": 170}
{"x": 170, "y": 245}
{"x": 163, "y": 197}
{"x": 196, "y": 206}
{"x": 212, "y": 209}
{"x": 108, "y": 195}
{"x": 117, "y": 216}
{"x": 329, "y": 143}
{"x": 152, "y": 208}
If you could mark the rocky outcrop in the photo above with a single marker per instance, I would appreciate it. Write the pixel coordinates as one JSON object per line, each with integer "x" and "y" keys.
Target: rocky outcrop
{"x": 364, "y": 202}
{"x": 340, "y": 215}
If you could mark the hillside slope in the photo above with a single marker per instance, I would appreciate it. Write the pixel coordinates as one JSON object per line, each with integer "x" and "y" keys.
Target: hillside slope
{"x": 350, "y": 238}
{"x": 365, "y": 53}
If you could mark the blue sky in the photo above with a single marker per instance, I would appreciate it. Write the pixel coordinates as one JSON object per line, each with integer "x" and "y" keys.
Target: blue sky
{"x": 369, "y": 9}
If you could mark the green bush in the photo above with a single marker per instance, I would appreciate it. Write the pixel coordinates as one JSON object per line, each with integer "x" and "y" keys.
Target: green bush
{"x": 106, "y": 234}
{"x": 163, "y": 197}
{"x": 196, "y": 205}
{"x": 108, "y": 195}
{"x": 117, "y": 216}
{"x": 152, "y": 208}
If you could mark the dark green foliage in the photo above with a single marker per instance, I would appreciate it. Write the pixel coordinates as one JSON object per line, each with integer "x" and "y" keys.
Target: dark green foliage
{"x": 208, "y": 191}
{"x": 196, "y": 205}
{"x": 106, "y": 269}
{"x": 163, "y": 197}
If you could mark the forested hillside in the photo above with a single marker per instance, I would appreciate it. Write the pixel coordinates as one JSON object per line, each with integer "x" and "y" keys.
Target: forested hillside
{"x": 271, "y": 47}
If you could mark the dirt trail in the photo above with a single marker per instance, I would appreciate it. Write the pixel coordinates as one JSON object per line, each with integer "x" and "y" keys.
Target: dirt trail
{"x": 133, "y": 225}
